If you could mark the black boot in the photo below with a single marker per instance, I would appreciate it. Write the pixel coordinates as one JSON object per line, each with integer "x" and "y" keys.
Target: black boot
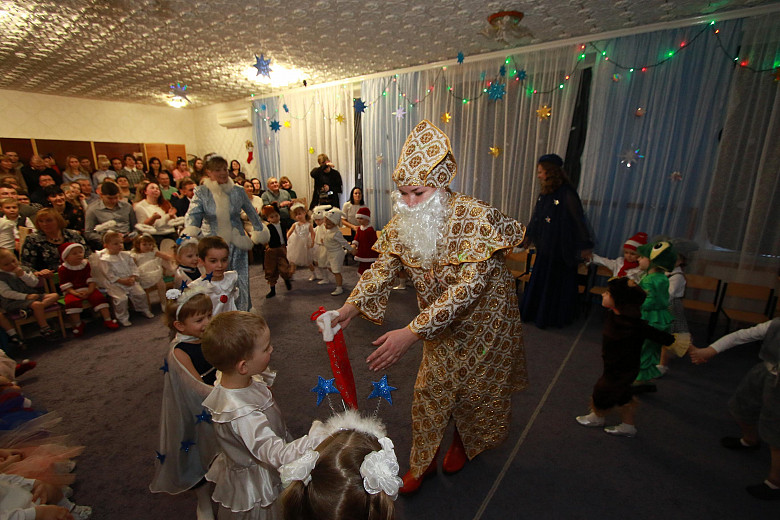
{"x": 272, "y": 292}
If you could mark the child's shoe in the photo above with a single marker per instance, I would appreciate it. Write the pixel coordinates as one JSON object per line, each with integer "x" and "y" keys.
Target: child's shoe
{"x": 663, "y": 369}
{"x": 324, "y": 281}
{"x": 49, "y": 334}
{"x": 149, "y": 314}
{"x": 24, "y": 366}
{"x": 339, "y": 290}
{"x": 125, "y": 322}
{"x": 81, "y": 512}
{"x": 78, "y": 330}
{"x": 590, "y": 420}
{"x": 312, "y": 277}
{"x": 111, "y": 324}
{"x": 272, "y": 292}
{"x": 622, "y": 430}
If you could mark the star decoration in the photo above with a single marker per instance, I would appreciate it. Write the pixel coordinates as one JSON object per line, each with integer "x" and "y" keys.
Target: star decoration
{"x": 287, "y": 124}
{"x": 204, "y": 416}
{"x": 275, "y": 125}
{"x": 495, "y": 151}
{"x": 285, "y": 108}
{"x": 399, "y": 113}
{"x": 676, "y": 176}
{"x": 324, "y": 387}
{"x": 543, "y": 112}
{"x": 630, "y": 158}
{"x": 460, "y": 58}
{"x": 547, "y": 219}
{"x": 382, "y": 389}
{"x": 160, "y": 456}
{"x": 359, "y": 106}
{"x": 522, "y": 74}
{"x": 446, "y": 117}
{"x": 164, "y": 368}
{"x": 179, "y": 91}
{"x": 339, "y": 118}
{"x": 263, "y": 66}
{"x": 186, "y": 445}
{"x": 183, "y": 285}
{"x": 311, "y": 150}
{"x": 556, "y": 201}
{"x": 496, "y": 91}
{"x": 209, "y": 276}
{"x": 502, "y": 71}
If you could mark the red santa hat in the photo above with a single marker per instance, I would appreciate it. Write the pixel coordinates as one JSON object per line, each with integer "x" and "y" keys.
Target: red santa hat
{"x": 67, "y": 247}
{"x": 364, "y": 212}
{"x": 635, "y": 241}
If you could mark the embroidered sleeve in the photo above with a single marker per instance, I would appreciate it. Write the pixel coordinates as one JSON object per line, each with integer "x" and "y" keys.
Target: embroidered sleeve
{"x": 371, "y": 292}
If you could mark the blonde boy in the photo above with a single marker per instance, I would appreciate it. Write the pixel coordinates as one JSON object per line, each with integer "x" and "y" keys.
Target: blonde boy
{"x": 10, "y": 222}
{"x": 19, "y": 293}
{"x": 120, "y": 278}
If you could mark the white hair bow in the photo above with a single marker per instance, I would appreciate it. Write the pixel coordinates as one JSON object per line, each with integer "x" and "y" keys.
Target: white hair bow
{"x": 380, "y": 470}
{"x": 299, "y": 469}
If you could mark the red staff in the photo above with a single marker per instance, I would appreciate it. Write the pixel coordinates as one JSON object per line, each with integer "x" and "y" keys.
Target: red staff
{"x": 337, "y": 351}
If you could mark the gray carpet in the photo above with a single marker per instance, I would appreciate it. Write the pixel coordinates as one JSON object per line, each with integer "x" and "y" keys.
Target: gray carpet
{"x": 108, "y": 388}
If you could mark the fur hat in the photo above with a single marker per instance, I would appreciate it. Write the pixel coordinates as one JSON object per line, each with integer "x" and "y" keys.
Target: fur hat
{"x": 295, "y": 206}
{"x": 661, "y": 254}
{"x": 635, "y": 241}
{"x": 334, "y": 215}
{"x": 319, "y": 211}
{"x": 364, "y": 212}
{"x": 551, "y": 158}
{"x": 67, "y": 247}
{"x": 426, "y": 159}
{"x": 627, "y": 295}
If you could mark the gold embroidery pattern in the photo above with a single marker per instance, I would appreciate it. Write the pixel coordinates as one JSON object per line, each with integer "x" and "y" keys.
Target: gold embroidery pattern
{"x": 426, "y": 159}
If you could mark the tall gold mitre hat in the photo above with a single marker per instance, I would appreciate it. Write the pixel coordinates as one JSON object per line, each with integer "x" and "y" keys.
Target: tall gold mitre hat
{"x": 426, "y": 159}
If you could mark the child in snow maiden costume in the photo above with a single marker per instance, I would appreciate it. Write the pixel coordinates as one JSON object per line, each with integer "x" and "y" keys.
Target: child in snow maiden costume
{"x": 219, "y": 202}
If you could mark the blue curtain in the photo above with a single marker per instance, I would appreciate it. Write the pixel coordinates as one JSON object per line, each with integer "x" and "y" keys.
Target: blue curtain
{"x": 267, "y": 149}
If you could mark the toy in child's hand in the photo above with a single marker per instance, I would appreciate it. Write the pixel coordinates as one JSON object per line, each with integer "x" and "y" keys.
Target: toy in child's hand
{"x": 337, "y": 352}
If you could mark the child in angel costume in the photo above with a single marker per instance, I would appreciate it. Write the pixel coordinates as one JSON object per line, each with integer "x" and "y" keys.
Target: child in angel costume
{"x": 221, "y": 285}
{"x": 300, "y": 240}
{"x": 249, "y": 427}
{"x": 151, "y": 264}
{"x": 187, "y": 440}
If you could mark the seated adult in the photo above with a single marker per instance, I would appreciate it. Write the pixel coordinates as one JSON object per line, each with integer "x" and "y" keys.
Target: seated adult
{"x": 40, "y": 251}
{"x": 125, "y": 190}
{"x": 73, "y": 171}
{"x": 34, "y": 170}
{"x": 133, "y": 174}
{"x": 181, "y": 199}
{"x": 286, "y": 184}
{"x": 86, "y": 164}
{"x": 181, "y": 171}
{"x": 282, "y": 198}
{"x": 7, "y": 170}
{"x": 257, "y": 185}
{"x": 8, "y": 191}
{"x": 74, "y": 196}
{"x": 109, "y": 208}
{"x": 104, "y": 172}
{"x": 39, "y": 196}
{"x": 164, "y": 182}
{"x": 152, "y": 209}
{"x": 257, "y": 203}
{"x": 86, "y": 190}
{"x": 73, "y": 214}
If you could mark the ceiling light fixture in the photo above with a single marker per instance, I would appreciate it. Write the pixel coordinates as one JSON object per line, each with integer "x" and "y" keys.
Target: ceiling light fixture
{"x": 178, "y": 96}
{"x": 281, "y": 77}
{"x": 505, "y": 26}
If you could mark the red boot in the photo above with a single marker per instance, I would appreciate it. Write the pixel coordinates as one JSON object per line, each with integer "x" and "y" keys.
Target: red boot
{"x": 412, "y": 484}
{"x": 455, "y": 458}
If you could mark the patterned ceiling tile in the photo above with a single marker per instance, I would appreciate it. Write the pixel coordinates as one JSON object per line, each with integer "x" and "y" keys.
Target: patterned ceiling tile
{"x": 132, "y": 50}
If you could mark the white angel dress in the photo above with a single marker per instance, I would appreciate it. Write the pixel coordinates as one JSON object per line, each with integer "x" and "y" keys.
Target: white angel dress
{"x": 150, "y": 268}
{"x": 223, "y": 293}
{"x": 299, "y": 246}
{"x": 254, "y": 441}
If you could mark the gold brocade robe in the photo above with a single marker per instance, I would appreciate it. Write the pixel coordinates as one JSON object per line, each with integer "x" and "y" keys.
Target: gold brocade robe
{"x": 473, "y": 355}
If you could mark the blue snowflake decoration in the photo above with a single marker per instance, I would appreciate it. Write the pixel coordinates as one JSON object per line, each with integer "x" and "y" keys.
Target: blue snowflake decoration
{"x": 204, "y": 416}
{"x": 382, "y": 389}
{"x": 160, "y": 457}
{"x": 186, "y": 445}
{"x": 263, "y": 66}
{"x": 360, "y": 107}
{"x": 164, "y": 368}
{"x": 275, "y": 125}
{"x": 502, "y": 71}
{"x": 285, "y": 108}
{"x": 496, "y": 91}
{"x": 324, "y": 387}
{"x": 521, "y": 74}
{"x": 460, "y": 58}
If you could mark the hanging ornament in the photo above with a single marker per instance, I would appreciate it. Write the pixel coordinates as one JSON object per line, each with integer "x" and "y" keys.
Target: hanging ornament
{"x": 616, "y": 77}
{"x": 275, "y": 126}
{"x": 640, "y": 111}
{"x": 339, "y": 118}
{"x": 543, "y": 112}
{"x": 380, "y": 159}
{"x": 359, "y": 106}
{"x": 502, "y": 71}
{"x": 446, "y": 117}
{"x": 287, "y": 124}
{"x": 311, "y": 150}
{"x": 522, "y": 74}
{"x": 399, "y": 113}
{"x": 460, "y": 58}
{"x": 676, "y": 176}
{"x": 496, "y": 91}
{"x": 630, "y": 158}
{"x": 495, "y": 151}
{"x": 178, "y": 93}
{"x": 263, "y": 66}
{"x": 285, "y": 108}
{"x": 250, "y": 151}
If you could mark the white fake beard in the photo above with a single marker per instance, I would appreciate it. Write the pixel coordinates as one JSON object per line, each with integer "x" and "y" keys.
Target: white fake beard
{"x": 421, "y": 227}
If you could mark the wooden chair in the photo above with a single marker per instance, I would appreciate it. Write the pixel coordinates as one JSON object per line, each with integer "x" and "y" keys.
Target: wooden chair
{"x": 758, "y": 295}
{"x": 520, "y": 264}
{"x": 52, "y": 311}
{"x": 703, "y": 294}
{"x": 603, "y": 273}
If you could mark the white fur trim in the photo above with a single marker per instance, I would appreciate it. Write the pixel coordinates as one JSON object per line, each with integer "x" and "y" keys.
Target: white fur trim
{"x": 191, "y": 231}
{"x": 240, "y": 240}
{"x": 144, "y": 228}
{"x": 66, "y": 286}
{"x": 176, "y": 221}
{"x": 352, "y": 420}
{"x": 261, "y": 237}
{"x": 108, "y": 225}
{"x": 221, "y": 198}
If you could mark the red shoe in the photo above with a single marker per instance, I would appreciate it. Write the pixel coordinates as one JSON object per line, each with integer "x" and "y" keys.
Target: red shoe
{"x": 78, "y": 330}
{"x": 412, "y": 484}
{"x": 110, "y": 324}
{"x": 455, "y": 458}
{"x": 24, "y": 366}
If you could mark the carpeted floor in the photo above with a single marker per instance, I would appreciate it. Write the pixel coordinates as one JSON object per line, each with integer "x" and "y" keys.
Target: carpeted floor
{"x": 108, "y": 388}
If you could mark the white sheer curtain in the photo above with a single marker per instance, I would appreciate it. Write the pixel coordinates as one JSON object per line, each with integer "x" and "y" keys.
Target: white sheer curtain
{"x": 313, "y": 129}
{"x": 511, "y": 124}
{"x": 744, "y": 205}
{"x": 683, "y": 101}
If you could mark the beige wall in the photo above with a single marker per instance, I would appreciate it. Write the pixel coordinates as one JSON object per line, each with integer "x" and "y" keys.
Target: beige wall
{"x": 25, "y": 115}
